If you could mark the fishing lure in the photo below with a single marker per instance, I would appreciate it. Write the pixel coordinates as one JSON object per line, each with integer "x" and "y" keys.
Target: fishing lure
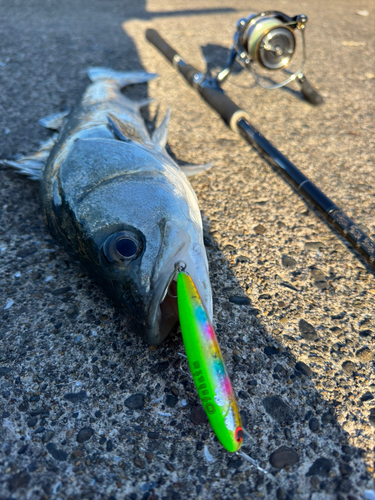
{"x": 207, "y": 365}
{"x": 208, "y": 369}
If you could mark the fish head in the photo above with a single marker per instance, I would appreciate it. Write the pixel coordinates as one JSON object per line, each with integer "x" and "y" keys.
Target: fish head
{"x": 138, "y": 220}
{"x": 141, "y": 264}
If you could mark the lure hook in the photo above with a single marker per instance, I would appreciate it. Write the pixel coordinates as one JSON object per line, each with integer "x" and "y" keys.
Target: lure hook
{"x": 255, "y": 464}
{"x": 179, "y": 267}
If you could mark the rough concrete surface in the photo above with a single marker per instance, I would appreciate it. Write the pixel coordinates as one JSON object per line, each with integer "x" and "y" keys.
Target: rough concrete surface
{"x": 300, "y": 352}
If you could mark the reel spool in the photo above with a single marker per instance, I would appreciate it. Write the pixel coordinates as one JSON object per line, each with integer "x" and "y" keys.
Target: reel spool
{"x": 267, "y": 41}
{"x": 270, "y": 42}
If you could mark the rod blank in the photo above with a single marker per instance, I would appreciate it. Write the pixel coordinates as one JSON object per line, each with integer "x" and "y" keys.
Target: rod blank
{"x": 238, "y": 120}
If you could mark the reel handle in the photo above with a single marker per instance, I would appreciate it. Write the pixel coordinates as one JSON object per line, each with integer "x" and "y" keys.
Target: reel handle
{"x": 308, "y": 92}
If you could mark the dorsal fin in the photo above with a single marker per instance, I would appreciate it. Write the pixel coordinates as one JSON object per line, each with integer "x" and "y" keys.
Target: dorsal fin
{"x": 122, "y": 78}
{"x": 116, "y": 127}
{"x": 159, "y": 137}
{"x": 143, "y": 103}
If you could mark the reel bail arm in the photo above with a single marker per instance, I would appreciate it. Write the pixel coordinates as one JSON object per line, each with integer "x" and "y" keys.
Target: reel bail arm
{"x": 238, "y": 120}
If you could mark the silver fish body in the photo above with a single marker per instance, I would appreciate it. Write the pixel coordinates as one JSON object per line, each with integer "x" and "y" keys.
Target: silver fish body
{"x": 117, "y": 202}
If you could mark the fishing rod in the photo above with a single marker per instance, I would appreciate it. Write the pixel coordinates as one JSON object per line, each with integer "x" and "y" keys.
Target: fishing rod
{"x": 266, "y": 42}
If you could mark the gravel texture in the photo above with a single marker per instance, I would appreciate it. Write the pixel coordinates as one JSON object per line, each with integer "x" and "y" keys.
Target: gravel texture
{"x": 87, "y": 409}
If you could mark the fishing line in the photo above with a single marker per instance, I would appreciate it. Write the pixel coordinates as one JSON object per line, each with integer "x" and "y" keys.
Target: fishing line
{"x": 255, "y": 464}
{"x": 248, "y": 435}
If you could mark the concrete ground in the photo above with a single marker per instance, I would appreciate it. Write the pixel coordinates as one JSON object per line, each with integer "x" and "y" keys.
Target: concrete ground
{"x": 300, "y": 353}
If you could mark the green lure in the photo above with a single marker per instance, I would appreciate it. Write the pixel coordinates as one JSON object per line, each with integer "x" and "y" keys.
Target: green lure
{"x": 207, "y": 365}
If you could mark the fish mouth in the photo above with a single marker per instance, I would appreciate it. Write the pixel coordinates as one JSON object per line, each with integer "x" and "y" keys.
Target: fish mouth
{"x": 169, "y": 307}
{"x": 165, "y": 314}
{"x": 164, "y": 311}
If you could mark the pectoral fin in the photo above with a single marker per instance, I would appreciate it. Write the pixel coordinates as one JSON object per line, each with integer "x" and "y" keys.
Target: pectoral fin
{"x": 54, "y": 121}
{"x": 117, "y": 129}
{"x": 190, "y": 170}
{"x": 159, "y": 137}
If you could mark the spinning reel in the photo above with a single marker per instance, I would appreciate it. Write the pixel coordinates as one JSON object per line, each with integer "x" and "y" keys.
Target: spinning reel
{"x": 267, "y": 42}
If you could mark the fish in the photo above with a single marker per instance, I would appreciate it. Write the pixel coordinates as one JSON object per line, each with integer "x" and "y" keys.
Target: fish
{"x": 117, "y": 202}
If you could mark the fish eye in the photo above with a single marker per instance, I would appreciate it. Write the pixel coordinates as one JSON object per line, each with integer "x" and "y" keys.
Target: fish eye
{"x": 122, "y": 247}
{"x": 126, "y": 247}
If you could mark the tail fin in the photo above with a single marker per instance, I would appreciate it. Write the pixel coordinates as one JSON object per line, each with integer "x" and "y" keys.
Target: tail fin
{"x": 32, "y": 165}
{"x": 120, "y": 77}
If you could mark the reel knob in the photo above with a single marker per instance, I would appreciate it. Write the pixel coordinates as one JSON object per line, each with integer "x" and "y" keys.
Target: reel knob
{"x": 270, "y": 42}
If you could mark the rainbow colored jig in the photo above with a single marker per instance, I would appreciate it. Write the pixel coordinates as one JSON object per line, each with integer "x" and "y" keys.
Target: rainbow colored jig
{"x": 207, "y": 365}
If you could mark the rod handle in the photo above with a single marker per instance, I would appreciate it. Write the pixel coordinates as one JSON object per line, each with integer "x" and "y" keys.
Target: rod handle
{"x": 159, "y": 42}
{"x": 187, "y": 70}
{"x": 227, "y": 109}
{"x": 209, "y": 90}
